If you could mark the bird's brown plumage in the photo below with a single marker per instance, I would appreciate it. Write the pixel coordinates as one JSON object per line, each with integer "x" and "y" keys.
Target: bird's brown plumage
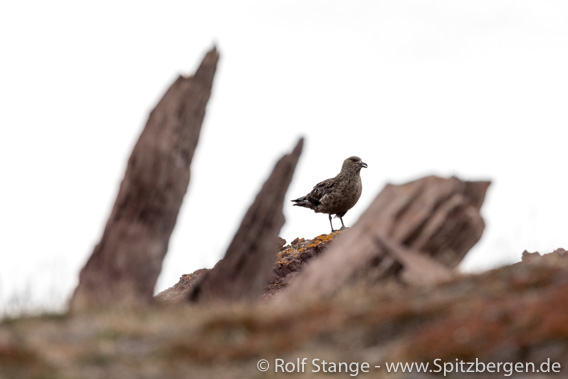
{"x": 337, "y": 195}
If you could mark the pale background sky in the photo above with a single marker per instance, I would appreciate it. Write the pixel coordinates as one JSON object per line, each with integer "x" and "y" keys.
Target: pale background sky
{"x": 476, "y": 89}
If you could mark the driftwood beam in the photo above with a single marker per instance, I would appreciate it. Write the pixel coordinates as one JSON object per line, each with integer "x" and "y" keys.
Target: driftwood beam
{"x": 125, "y": 264}
{"x": 247, "y": 265}
{"x": 417, "y": 267}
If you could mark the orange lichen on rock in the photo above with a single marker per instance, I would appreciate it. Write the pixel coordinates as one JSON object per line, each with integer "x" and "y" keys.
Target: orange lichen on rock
{"x": 322, "y": 238}
{"x": 291, "y": 259}
{"x": 300, "y": 246}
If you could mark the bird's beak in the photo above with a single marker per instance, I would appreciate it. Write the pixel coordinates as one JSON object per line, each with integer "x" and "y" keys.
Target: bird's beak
{"x": 363, "y": 164}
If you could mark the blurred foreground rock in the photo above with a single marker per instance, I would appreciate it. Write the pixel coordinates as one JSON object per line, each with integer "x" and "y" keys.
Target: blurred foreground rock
{"x": 125, "y": 264}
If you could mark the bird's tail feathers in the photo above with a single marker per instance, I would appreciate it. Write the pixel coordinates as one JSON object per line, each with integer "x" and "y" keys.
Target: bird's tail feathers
{"x": 302, "y": 202}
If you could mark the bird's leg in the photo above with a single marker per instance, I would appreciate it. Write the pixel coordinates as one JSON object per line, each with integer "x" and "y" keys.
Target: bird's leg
{"x": 331, "y": 224}
{"x": 342, "y": 224}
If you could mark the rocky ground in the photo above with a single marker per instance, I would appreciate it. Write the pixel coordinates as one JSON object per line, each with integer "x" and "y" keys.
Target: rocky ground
{"x": 517, "y": 313}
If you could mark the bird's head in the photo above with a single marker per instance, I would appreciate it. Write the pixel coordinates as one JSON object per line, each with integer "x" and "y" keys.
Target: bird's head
{"x": 353, "y": 164}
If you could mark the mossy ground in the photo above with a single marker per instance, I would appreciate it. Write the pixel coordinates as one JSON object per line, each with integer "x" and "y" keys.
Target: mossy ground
{"x": 514, "y": 313}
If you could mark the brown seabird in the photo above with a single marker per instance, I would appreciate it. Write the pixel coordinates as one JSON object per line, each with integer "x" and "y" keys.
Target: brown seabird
{"x": 336, "y": 195}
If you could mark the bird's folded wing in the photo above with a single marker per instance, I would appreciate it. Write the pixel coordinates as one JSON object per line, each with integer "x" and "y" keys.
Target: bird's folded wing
{"x": 323, "y": 185}
{"x": 320, "y": 190}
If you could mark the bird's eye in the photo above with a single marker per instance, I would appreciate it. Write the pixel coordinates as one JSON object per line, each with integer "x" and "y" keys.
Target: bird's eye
{"x": 353, "y": 159}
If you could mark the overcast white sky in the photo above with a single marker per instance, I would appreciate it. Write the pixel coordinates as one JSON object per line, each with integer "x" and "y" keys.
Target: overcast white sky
{"x": 476, "y": 89}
